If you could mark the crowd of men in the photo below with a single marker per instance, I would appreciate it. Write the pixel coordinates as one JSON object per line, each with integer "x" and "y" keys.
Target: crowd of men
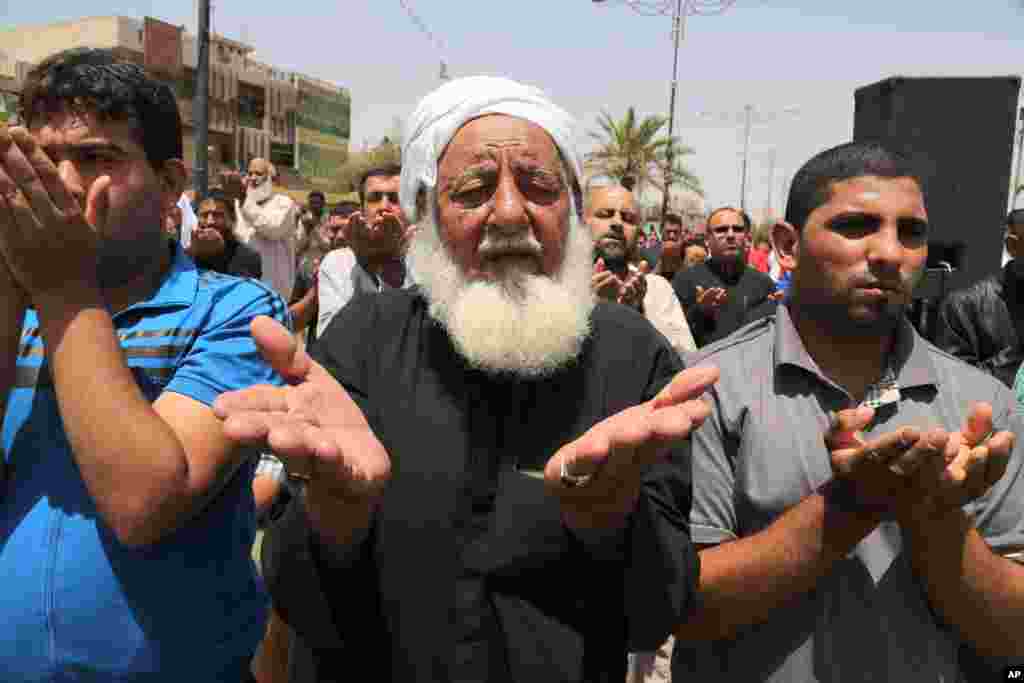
{"x": 490, "y": 429}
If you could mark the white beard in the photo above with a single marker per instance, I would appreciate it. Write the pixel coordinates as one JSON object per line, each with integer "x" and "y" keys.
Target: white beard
{"x": 260, "y": 193}
{"x": 524, "y": 324}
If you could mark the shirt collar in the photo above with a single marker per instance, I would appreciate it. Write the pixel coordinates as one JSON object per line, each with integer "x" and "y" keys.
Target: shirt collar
{"x": 179, "y": 286}
{"x": 909, "y": 361}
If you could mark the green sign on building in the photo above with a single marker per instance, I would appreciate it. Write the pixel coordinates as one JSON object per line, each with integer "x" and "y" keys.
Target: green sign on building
{"x": 8, "y": 106}
{"x": 322, "y": 125}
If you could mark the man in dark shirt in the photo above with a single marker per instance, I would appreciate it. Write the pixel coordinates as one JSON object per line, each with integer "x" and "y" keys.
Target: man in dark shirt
{"x": 214, "y": 246}
{"x": 717, "y": 294}
{"x": 498, "y": 477}
{"x": 984, "y": 324}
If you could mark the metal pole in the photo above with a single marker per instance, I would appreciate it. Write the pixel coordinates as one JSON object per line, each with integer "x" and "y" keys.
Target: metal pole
{"x": 1020, "y": 151}
{"x": 201, "y": 102}
{"x": 677, "y": 30}
{"x": 747, "y": 111}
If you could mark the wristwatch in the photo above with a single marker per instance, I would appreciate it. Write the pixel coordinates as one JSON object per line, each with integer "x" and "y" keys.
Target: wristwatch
{"x": 840, "y": 494}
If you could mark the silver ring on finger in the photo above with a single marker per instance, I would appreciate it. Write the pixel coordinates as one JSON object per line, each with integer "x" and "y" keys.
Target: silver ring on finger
{"x": 572, "y": 481}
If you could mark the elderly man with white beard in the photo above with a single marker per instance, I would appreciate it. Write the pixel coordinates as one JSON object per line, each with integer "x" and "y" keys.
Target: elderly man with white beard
{"x": 269, "y": 224}
{"x": 498, "y": 476}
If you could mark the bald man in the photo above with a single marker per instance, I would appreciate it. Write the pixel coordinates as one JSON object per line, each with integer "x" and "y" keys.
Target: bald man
{"x": 611, "y": 214}
{"x": 269, "y": 224}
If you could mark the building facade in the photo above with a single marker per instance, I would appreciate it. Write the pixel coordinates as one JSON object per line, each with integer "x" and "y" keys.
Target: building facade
{"x": 254, "y": 108}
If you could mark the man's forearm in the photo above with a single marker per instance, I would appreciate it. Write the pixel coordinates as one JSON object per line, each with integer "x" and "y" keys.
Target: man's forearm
{"x": 783, "y": 562}
{"x": 302, "y": 310}
{"x": 12, "y": 308}
{"x": 975, "y": 590}
{"x": 131, "y": 461}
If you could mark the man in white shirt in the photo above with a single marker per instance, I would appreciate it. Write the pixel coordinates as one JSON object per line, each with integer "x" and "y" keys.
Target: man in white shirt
{"x": 269, "y": 223}
{"x": 376, "y": 236}
{"x": 611, "y": 213}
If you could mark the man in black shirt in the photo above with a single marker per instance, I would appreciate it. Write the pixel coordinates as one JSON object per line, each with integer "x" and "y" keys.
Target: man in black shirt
{"x": 214, "y": 246}
{"x": 717, "y": 294}
{"x": 984, "y": 324}
{"x": 498, "y": 477}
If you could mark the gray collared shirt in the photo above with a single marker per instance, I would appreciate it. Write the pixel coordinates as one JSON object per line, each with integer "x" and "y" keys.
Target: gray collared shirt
{"x": 761, "y": 452}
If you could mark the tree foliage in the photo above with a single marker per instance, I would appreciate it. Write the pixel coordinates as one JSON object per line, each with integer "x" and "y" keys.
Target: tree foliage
{"x": 347, "y": 178}
{"x": 632, "y": 149}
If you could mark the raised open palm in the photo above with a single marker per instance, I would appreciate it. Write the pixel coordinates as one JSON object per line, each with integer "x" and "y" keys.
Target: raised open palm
{"x": 312, "y": 423}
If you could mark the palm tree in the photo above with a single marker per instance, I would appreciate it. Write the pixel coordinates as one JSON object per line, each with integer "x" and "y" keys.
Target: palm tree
{"x": 632, "y": 151}
{"x": 681, "y": 173}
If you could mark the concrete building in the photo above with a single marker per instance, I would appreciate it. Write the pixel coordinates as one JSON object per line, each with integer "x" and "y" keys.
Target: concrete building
{"x": 253, "y": 105}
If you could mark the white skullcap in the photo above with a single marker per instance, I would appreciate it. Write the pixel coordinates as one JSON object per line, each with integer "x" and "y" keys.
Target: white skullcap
{"x": 443, "y": 112}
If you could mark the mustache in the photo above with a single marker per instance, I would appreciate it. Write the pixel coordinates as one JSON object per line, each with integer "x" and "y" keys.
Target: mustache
{"x": 614, "y": 233}
{"x": 898, "y": 284}
{"x": 495, "y": 246}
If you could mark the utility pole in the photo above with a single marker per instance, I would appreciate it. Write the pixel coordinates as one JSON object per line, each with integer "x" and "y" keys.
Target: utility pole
{"x": 771, "y": 180}
{"x": 747, "y": 111}
{"x": 1020, "y": 151}
{"x": 201, "y": 102}
{"x": 751, "y": 116}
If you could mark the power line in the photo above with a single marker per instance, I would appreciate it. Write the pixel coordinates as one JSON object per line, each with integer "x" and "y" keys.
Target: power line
{"x": 425, "y": 30}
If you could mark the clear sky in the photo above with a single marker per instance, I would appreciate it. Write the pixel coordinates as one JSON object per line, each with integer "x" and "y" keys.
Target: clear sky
{"x": 808, "y": 54}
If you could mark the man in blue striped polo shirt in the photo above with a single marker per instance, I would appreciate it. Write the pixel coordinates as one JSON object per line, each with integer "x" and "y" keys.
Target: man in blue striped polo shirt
{"x": 126, "y": 516}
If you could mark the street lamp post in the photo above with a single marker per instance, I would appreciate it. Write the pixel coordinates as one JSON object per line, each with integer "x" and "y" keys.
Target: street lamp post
{"x": 677, "y": 33}
{"x": 201, "y": 102}
{"x": 679, "y": 9}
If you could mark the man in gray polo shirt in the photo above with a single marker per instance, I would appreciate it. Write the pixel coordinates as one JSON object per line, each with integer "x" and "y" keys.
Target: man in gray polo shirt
{"x": 854, "y": 523}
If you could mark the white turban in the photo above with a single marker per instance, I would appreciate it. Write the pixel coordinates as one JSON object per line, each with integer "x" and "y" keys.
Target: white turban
{"x": 443, "y": 112}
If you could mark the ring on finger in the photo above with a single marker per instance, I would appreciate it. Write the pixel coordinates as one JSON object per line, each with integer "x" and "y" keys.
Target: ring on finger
{"x": 572, "y": 481}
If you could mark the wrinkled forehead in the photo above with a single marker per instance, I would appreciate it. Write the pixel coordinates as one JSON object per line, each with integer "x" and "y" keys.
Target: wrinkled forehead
{"x": 489, "y": 138}
{"x": 258, "y": 167}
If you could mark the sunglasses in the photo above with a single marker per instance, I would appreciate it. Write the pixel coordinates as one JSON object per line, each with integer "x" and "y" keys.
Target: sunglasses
{"x": 726, "y": 229}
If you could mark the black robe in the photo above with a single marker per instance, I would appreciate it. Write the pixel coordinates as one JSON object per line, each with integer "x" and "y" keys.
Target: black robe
{"x": 468, "y": 573}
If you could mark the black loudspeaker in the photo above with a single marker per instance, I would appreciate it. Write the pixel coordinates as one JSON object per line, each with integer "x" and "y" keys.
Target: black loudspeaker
{"x": 960, "y": 132}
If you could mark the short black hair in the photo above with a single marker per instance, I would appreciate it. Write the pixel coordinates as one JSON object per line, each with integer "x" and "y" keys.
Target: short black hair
{"x": 695, "y": 242}
{"x": 812, "y": 184}
{"x": 96, "y": 81}
{"x": 218, "y": 195}
{"x": 1015, "y": 218}
{"x": 385, "y": 170}
{"x": 674, "y": 219}
{"x": 316, "y": 193}
{"x": 344, "y": 209}
{"x": 743, "y": 214}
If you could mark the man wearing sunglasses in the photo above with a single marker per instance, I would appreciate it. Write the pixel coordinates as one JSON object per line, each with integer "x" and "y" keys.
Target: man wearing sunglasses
{"x": 376, "y": 237}
{"x": 717, "y": 294}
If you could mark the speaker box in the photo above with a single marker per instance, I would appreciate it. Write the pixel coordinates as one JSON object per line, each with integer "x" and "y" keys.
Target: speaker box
{"x": 960, "y": 131}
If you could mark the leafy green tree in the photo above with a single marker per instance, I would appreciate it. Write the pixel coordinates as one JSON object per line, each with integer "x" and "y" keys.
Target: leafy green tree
{"x": 632, "y": 150}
